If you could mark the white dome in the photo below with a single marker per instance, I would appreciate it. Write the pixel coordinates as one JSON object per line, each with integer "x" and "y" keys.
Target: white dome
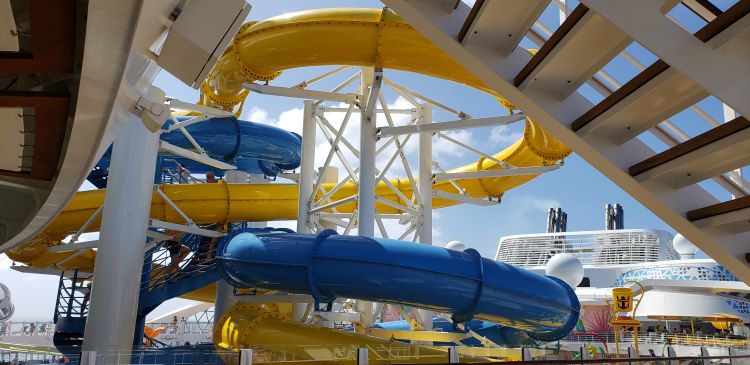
{"x": 685, "y": 248}
{"x": 455, "y": 246}
{"x": 565, "y": 267}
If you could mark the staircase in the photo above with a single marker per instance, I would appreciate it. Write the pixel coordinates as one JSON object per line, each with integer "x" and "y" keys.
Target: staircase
{"x": 71, "y": 310}
{"x": 158, "y": 284}
{"x": 484, "y": 36}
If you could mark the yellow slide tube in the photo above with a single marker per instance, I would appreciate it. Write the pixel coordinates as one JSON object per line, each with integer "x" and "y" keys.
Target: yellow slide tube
{"x": 260, "y": 51}
{"x": 276, "y": 338}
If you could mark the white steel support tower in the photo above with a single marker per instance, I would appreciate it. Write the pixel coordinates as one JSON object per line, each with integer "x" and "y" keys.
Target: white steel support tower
{"x": 367, "y": 164}
{"x": 485, "y": 37}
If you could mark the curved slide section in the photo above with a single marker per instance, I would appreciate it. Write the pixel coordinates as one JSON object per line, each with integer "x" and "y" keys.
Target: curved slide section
{"x": 252, "y": 147}
{"x": 329, "y": 266}
{"x": 260, "y": 51}
{"x": 270, "y": 326}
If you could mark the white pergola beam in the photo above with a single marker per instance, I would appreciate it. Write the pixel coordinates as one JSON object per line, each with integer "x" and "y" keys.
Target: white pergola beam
{"x": 704, "y": 163}
{"x": 740, "y": 215}
{"x": 451, "y": 125}
{"x": 293, "y": 92}
{"x": 722, "y": 72}
{"x": 497, "y": 71}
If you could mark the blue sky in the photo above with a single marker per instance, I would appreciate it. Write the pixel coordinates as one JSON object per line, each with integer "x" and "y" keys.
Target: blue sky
{"x": 577, "y": 187}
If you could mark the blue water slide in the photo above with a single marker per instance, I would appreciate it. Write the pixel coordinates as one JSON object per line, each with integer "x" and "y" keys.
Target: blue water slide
{"x": 252, "y": 147}
{"x": 329, "y": 266}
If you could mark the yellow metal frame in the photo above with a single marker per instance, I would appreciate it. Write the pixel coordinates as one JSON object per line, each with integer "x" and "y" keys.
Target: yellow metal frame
{"x": 618, "y": 324}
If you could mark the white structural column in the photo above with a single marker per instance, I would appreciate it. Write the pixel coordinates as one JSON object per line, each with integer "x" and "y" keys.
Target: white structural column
{"x": 225, "y": 297}
{"x": 425, "y": 192}
{"x": 119, "y": 260}
{"x": 224, "y": 300}
{"x": 366, "y": 202}
{"x": 425, "y": 177}
{"x": 307, "y": 167}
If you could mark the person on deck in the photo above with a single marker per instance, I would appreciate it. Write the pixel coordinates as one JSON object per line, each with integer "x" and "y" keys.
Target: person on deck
{"x": 177, "y": 253}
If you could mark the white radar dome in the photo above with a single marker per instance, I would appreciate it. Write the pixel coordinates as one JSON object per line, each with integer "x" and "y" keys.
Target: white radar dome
{"x": 565, "y": 267}
{"x": 455, "y": 246}
{"x": 685, "y": 248}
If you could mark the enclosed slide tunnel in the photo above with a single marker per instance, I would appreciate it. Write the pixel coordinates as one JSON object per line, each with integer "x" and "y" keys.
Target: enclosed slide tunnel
{"x": 327, "y": 266}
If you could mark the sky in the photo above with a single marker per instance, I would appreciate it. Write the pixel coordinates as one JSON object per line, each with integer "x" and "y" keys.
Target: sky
{"x": 577, "y": 187}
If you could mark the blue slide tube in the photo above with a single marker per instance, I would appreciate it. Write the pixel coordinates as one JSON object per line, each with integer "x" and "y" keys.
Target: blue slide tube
{"x": 252, "y": 147}
{"x": 464, "y": 284}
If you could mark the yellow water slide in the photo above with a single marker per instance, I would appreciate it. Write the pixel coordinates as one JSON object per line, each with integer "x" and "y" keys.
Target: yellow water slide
{"x": 260, "y": 52}
{"x": 277, "y": 339}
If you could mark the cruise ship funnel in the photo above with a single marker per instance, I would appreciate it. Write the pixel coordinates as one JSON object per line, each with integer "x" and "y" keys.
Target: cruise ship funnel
{"x": 329, "y": 266}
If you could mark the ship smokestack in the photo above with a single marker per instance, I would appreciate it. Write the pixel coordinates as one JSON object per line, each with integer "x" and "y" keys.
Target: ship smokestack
{"x": 614, "y": 217}
{"x": 557, "y": 220}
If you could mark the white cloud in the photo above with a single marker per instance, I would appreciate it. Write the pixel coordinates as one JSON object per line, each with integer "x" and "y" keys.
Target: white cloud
{"x": 443, "y": 148}
{"x": 503, "y": 134}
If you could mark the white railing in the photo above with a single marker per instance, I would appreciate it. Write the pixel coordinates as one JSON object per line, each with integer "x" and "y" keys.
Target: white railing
{"x": 624, "y": 246}
{"x": 31, "y": 328}
{"x": 660, "y": 338}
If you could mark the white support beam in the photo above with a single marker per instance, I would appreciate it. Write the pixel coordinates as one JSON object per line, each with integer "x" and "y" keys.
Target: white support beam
{"x": 424, "y": 229}
{"x": 77, "y": 246}
{"x": 409, "y": 94}
{"x": 39, "y": 270}
{"x": 173, "y": 205}
{"x": 211, "y": 112}
{"x": 306, "y": 83}
{"x": 97, "y": 213}
{"x": 372, "y": 98}
{"x": 326, "y": 109}
{"x": 202, "y": 158}
{"x": 155, "y": 223}
{"x": 642, "y": 20}
{"x": 395, "y": 205}
{"x": 463, "y": 198}
{"x": 334, "y": 204}
{"x": 177, "y": 125}
{"x": 371, "y": 81}
{"x": 513, "y": 171}
{"x": 157, "y": 235}
{"x": 451, "y": 125}
{"x": 294, "y": 92}
{"x": 307, "y": 168}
